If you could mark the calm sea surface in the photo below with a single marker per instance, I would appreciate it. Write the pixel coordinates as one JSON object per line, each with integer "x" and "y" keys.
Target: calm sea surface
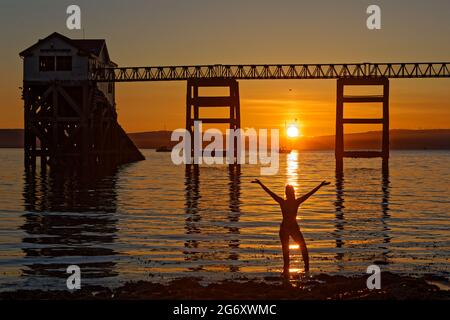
{"x": 156, "y": 221}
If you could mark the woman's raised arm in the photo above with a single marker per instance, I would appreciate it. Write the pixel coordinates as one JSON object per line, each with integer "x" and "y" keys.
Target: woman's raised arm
{"x": 274, "y": 196}
{"x": 309, "y": 194}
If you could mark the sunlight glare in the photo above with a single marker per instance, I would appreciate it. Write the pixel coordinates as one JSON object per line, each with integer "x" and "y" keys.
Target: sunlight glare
{"x": 292, "y": 131}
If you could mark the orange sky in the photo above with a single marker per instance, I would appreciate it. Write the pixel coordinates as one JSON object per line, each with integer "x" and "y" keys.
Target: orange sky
{"x": 142, "y": 33}
{"x": 268, "y": 104}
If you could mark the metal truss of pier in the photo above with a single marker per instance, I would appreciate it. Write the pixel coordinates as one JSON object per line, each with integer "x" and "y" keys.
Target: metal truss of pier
{"x": 352, "y": 74}
{"x": 274, "y": 71}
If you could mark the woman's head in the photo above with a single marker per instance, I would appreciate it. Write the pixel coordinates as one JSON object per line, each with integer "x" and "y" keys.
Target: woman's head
{"x": 290, "y": 192}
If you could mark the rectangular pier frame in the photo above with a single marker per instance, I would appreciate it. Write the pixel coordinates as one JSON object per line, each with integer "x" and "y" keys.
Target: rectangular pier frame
{"x": 194, "y": 103}
{"x": 342, "y": 99}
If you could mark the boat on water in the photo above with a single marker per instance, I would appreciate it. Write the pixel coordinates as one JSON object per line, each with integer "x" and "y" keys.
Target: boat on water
{"x": 284, "y": 150}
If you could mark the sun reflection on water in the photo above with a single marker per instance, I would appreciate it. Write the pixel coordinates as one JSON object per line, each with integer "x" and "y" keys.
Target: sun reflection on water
{"x": 292, "y": 168}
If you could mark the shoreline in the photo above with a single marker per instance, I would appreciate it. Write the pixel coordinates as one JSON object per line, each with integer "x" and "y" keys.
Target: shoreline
{"x": 317, "y": 287}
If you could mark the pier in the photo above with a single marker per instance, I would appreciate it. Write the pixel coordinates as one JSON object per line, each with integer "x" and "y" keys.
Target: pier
{"x": 69, "y": 101}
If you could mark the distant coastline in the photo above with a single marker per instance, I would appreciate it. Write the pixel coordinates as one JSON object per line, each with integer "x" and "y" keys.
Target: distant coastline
{"x": 400, "y": 139}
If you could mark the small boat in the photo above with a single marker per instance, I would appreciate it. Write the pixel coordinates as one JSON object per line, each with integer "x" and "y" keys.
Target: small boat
{"x": 284, "y": 150}
{"x": 164, "y": 149}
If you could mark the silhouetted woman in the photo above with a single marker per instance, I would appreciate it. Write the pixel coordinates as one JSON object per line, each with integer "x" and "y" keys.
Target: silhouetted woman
{"x": 289, "y": 226}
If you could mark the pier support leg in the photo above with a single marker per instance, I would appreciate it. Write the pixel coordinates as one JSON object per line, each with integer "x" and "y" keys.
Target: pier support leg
{"x": 194, "y": 102}
{"x": 342, "y": 99}
{"x": 76, "y": 126}
{"x": 385, "y": 143}
{"x": 339, "y": 138}
{"x": 29, "y": 136}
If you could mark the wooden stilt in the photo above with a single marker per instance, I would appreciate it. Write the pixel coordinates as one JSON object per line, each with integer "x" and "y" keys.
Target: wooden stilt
{"x": 77, "y": 129}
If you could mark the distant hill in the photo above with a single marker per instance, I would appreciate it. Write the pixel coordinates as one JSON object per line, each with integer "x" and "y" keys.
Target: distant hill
{"x": 11, "y": 138}
{"x": 152, "y": 139}
{"x": 437, "y": 139}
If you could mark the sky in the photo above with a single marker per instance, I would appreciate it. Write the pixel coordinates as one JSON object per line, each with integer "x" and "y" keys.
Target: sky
{"x": 168, "y": 32}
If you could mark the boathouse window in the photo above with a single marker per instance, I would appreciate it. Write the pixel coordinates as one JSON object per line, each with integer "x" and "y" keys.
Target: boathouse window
{"x": 63, "y": 63}
{"x": 46, "y": 63}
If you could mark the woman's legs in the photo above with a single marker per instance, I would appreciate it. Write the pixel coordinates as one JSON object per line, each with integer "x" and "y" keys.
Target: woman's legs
{"x": 284, "y": 237}
{"x": 298, "y": 237}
